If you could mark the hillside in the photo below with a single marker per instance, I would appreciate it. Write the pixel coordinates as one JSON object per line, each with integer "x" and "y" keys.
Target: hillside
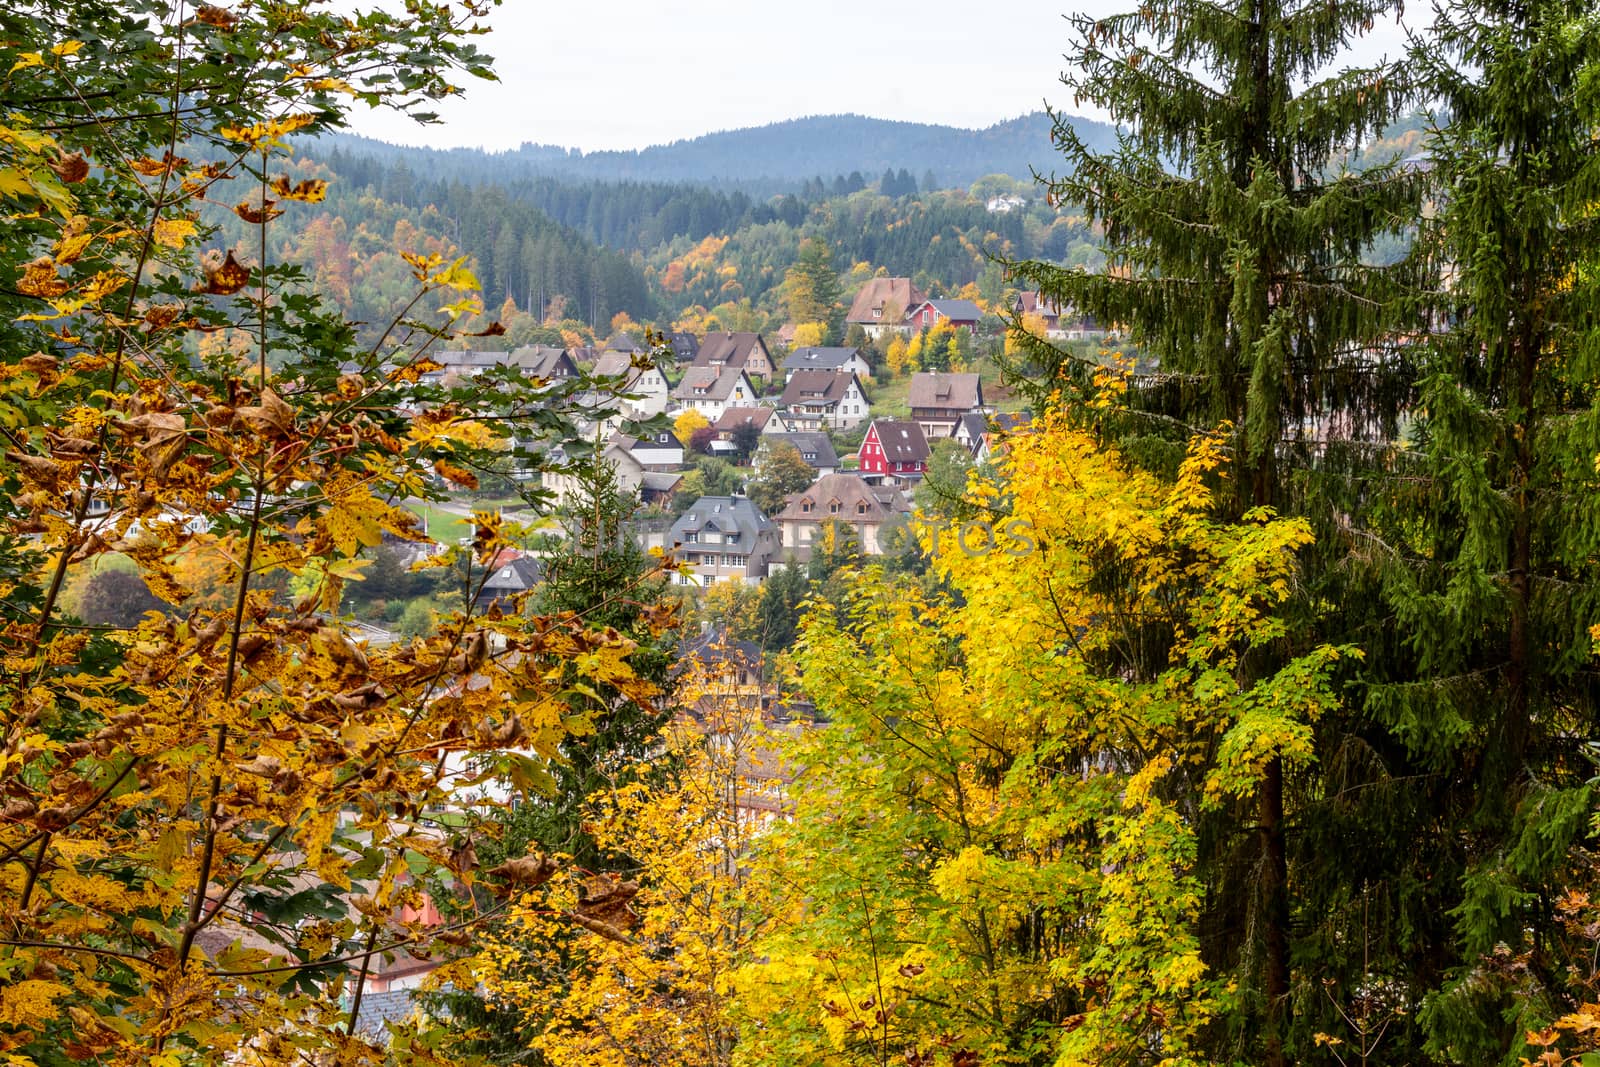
{"x": 771, "y": 159}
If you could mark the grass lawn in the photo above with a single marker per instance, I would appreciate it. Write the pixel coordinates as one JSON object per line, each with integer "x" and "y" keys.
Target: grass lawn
{"x": 888, "y": 397}
{"x": 442, "y": 526}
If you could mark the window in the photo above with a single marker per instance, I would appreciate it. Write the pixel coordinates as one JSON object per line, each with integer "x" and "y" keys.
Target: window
{"x": 691, "y": 537}
{"x": 877, "y": 313}
{"x": 833, "y": 508}
{"x": 805, "y": 507}
{"x": 861, "y": 507}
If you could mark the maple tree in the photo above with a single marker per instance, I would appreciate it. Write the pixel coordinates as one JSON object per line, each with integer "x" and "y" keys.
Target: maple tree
{"x": 1013, "y": 877}
{"x": 213, "y": 820}
{"x": 664, "y": 931}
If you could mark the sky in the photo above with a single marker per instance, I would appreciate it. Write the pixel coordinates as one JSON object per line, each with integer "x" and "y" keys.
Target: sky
{"x": 610, "y": 74}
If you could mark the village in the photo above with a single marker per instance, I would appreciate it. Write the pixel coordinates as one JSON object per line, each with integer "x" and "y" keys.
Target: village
{"x": 807, "y": 423}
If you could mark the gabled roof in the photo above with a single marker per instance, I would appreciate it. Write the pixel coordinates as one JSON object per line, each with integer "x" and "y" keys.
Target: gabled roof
{"x": 879, "y": 293}
{"x": 685, "y": 345}
{"x": 614, "y": 364}
{"x": 1029, "y": 303}
{"x": 661, "y": 481}
{"x": 622, "y": 342}
{"x": 716, "y": 647}
{"x": 722, "y": 513}
{"x": 902, "y": 442}
{"x": 544, "y": 361}
{"x": 950, "y": 392}
{"x": 808, "y": 443}
{"x": 732, "y": 349}
{"x": 851, "y": 492}
{"x": 734, "y": 417}
{"x": 1010, "y": 421}
{"x": 813, "y": 358}
{"x": 955, "y": 310}
{"x": 663, "y": 439}
{"x": 973, "y": 425}
{"x": 517, "y": 575}
{"x": 718, "y": 382}
{"x": 817, "y": 387}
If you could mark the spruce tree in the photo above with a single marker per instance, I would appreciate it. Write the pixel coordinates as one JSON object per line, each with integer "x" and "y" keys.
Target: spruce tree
{"x": 600, "y": 577}
{"x": 1489, "y": 686}
{"x": 1234, "y": 259}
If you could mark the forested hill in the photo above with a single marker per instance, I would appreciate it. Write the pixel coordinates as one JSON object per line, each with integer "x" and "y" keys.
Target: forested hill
{"x": 775, "y": 158}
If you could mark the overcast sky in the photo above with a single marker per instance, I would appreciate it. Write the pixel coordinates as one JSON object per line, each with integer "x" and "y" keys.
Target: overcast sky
{"x": 601, "y": 74}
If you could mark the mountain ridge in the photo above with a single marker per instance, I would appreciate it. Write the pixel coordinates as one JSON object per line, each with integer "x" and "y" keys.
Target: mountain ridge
{"x": 779, "y": 156}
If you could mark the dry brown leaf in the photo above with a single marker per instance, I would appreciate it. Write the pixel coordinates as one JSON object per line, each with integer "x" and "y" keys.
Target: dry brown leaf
{"x": 70, "y": 168}
{"x": 311, "y": 190}
{"x": 528, "y": 872}
{"x": 223, "y": 275}
{"x": 254, "y": 215}
{"x": 218, "y": 17}
{"x": 271, "y": 418}
{"x": 40, "y": 279}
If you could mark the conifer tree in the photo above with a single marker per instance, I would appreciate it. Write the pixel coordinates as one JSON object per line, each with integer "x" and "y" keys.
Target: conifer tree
{"x": 601, "y": 576}
{"x": 1234, "y": 260}
{"x": 1489, "y": 685}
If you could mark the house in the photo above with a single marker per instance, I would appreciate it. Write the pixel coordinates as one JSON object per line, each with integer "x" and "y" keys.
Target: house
{"x": 733, "y": 418}
{"x": 834, "y": 359}
{"x": 544, "y": 361}
{"x": 685, "y": 345}
{"x": 979, "y": 433}
{"x": 563, "y": 485}
{"x": 622, "y": 342}
{"x": 892, "y": 450}
{"x": 882, "y": 304}
{"x": 1061, "y": 322}
{"x": 724, "y": 538}
{"x": 645, "y": 386}
{"x": 722, "y": 665}
{"x": 813, "y": 445}
{"x": 659, "y": 487}
{"x": 958, "y": 313}
{"x": 842, "y": 498}
{"x": 835, "y": 400}
{"x": 513, "y": 576}
{"x": 712, "y": 390}
{"x": 746, "y": 351}
{"x": 1001, "y": 425}
{"x": 938, "y": 400}
{"x": 658, "y": 451}
{"x": 726, "y": 429}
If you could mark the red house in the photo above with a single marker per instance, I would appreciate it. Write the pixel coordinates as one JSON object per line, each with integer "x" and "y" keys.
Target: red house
{"x": 893, "y": 449}
{"x": 958, "y": 313}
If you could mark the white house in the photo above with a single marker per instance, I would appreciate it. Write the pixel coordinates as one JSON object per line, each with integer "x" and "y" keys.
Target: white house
{"x": 645, "y": 387}
{"x": 712, "y": 390}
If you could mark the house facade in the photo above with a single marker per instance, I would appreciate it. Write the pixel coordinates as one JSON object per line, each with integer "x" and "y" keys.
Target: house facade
{"x": 841, "y": 498}
{"x": 564, "y": 486}
{"x": 747, "y": 351}
{"x": 813, "y": 445}
{"x": 645, "y": 387}
{"x": 893, "y": 450}
{"x": 1060, "y": 323}
{"x": 962, "y": 314}
{"x": 882, "y": 304}
{"x": 723, "y": 538}
{"x": 938, "y": 400}
{"x": 834, "y": 400}
{"x": 712, "y": 390}
{"x": 830, "y": 359}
